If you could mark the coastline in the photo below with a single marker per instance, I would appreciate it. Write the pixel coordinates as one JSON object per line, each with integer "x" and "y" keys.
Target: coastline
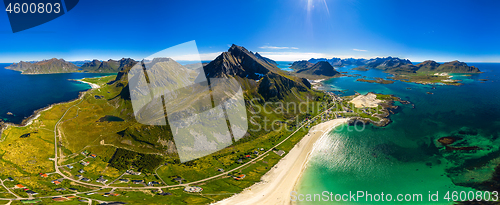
{"x": 37, "y": 113}
{"x": 92, "y": 85}
{"x": 276, "y": 185}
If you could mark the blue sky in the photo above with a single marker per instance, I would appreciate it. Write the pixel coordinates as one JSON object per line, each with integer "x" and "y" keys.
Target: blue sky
{"x": 281, "y": 29}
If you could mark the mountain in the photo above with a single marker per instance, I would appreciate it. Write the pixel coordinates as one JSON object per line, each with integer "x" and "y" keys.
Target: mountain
{"x": 42, "y": 67}
{"x": 449, "y": 67}
{"x": 260, "y": 81}
{"x": 320, "y": 68}
{"x": 397, "y": 65}
{"x": 427, "y": 66}
{"x": 268, "y": 60}
{"x": 109, "y": 66}
{"x": 391, "y": 65}
{"x": 256, "y": 75}
{"x": 299, "y": 65}
{"x": 338, "y": 62}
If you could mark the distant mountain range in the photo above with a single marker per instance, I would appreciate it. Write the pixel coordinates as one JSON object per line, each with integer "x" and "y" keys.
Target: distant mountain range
{"x": 338, "y": 62}
{"x": 238, "y": 65}
{"x": 55, "y": 65}
{"x": 391, "y": 65}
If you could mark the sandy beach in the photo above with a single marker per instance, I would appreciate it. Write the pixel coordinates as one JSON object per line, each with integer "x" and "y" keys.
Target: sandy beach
{"x": 276, "y": 185}
{"x": 89, "y": 83}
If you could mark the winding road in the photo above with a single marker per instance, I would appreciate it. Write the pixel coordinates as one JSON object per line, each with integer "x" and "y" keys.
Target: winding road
{"x": 104, "y": 186}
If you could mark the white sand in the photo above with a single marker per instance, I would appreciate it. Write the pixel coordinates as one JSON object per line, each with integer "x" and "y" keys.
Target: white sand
{"x": 89, "y": 83}
{"x": 368, "y": 100}
{"x": 276, "y": 185}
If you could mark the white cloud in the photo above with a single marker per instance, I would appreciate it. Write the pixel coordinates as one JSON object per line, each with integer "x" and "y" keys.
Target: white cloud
{"x": 359, "y": 50}
{"x": 277, "y": 48}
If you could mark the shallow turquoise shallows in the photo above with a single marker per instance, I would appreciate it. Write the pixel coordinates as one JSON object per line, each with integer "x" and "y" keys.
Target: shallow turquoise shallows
{"x": 405, "y": 157}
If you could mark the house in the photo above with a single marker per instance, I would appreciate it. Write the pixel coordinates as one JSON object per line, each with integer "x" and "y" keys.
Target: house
{"x": 69, "y": 166}
{"x": 280, "y": 152}
{"x": 57, "y": 181}
{"x": 59, "y": 199}
{"x": 179, "y": 179}
{"x": 256, "y": 152}
{"x": 124, "y": 180}
{"x": 19, "y": 186}
{"x": 152, "y": 183}
{"x": 220, "y": 170}
{"x": 239, "y": 161}
{"x": 165, "y": 194}
{"x": 85, "y": 163}
{"x": 85, "y": 152}
{"x": 71, "y": 197}
{"x": 10, "y": 179}
{"x": 101, "y": 180}
{"x": 86, "y": 179}
{"x": 81, "y": 171}
{"x": 247, "y": 156}
{"x": 137, "y": 181}
{"x": 240, "y": 177}
{"x": 60, "y": 189}
{"x": 73, "y": 189}
{"x": 78, "y": 176}
{"x": 132, "y": 172}
{"x": 93, "y": 156}
{"x": 110, "y": 194}
{"x": 31, "y": 192}
{"x": 44, "y": 175}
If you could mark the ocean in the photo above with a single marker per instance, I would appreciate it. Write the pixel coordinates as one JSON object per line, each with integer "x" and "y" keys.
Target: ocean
{"x": 21, "y": 94}
{"x": 284, "y": 65}
{"x": 405, "y": 157}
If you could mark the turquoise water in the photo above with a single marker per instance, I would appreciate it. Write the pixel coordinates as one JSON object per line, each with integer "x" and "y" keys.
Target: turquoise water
{"x": 404, "y": 157}
{"x": 23, "y": 94}
{"x": 284, "y": 65}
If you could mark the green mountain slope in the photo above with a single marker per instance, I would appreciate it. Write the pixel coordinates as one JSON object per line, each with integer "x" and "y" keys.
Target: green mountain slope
{"x": 449, "y": 67}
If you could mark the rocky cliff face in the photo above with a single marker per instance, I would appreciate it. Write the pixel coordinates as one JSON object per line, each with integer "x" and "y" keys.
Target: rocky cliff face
{"x": 53, "y": 65}
{"x": 320, "y": 68}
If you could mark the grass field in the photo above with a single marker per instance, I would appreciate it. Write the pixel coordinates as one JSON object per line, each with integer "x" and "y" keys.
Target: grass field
{"x": 80, "y": 130}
